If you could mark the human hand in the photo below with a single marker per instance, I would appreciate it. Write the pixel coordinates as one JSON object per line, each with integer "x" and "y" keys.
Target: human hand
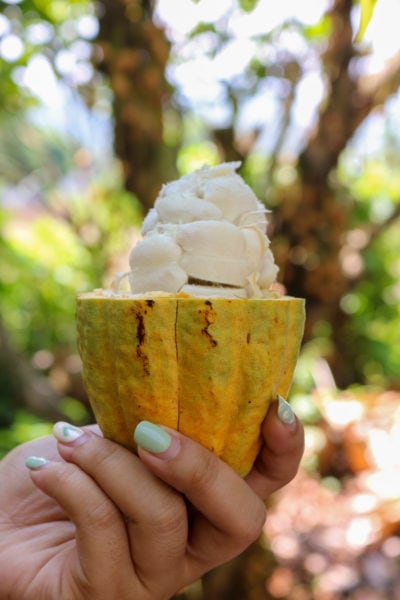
{"x": 114, "y": 526}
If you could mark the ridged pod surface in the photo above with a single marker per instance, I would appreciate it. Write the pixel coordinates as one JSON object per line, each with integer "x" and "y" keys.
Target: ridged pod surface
{"x": 206, "y": 367}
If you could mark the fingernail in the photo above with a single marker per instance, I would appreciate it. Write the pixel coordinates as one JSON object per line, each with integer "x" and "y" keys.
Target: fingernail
{"x": 65, "y": 432}
{"x": 155, "y": 439}
{"x": 35, "y": 462}
{"x": 285, "y": 413}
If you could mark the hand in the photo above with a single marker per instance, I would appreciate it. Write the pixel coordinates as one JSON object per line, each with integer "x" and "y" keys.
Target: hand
{"x": 97, "y": 522}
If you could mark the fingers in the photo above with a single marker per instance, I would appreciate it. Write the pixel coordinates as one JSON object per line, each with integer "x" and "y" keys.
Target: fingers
{"x": 135, "y": 507}
{"x": 155, "y": 513}
{"x": 230, "y": 514}
{"x": 281, "y": 453}
{"x": 102, "y": 544}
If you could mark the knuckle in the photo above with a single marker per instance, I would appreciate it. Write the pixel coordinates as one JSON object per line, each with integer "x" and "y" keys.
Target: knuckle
{"x": 168, "y": 522}
{"x": 204, "y": 473}
{"x": 101, "y": 515}
{"x": 100, "y": 512}
{"x": 249, "y": 530}
{"x": 99, "y": 455}
{"x": 64, "y": 477}
{"x": 259, "y": 518}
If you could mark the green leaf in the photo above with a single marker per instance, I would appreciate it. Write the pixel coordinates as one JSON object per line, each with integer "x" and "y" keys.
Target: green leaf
{"x": 320, "y": 30}
{"x": 248, "y": 5}
{"x": 258, "y": 68}
{"x": 202, "y": 28}
{"x": 367, "y": 10}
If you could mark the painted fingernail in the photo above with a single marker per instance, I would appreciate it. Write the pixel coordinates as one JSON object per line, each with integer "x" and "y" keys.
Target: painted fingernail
{"x": 35, "y": 462}
{"x": 155, "y": 439}
{"x": 65, "y": 432}
{"x": 285, "y": 413}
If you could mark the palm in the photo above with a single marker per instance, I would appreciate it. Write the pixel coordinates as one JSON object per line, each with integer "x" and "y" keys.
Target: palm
{"x": 34, "y": 527}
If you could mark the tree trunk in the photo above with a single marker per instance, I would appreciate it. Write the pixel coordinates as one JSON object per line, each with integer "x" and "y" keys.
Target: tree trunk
{"x": 313, "y": 216}
{"x": 134, "y": 53}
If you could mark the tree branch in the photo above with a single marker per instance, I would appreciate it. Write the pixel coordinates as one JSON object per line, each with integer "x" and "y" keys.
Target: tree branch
{"x": 350, "y": 98}
{"x": 380, "y": 86}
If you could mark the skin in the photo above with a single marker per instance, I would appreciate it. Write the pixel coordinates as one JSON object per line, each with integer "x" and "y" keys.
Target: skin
{"x": 98, "y": 522}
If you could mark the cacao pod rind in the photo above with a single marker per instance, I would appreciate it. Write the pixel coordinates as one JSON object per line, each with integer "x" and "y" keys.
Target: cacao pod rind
{"x": 206, "y": 367}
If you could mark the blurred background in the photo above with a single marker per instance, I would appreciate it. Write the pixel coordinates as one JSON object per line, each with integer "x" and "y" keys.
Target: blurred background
{"x": 100, "y": 103}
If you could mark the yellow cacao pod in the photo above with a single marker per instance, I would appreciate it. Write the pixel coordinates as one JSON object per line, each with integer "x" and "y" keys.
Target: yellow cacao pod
{"x": 206, "y": 367}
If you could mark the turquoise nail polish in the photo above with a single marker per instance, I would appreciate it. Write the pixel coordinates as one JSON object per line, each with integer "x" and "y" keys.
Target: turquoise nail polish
{"x": 35, "y": 462}
{"x": 285, "y": 413}
{"x": 152, "y": 437}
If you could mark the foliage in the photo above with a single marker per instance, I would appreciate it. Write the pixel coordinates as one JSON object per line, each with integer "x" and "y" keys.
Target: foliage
{"x": 65, "y": 227}
{"x": 248, "y": 5}
{"x": 371, "y": 256}
{"x": 46, "y": 262}
{"x": 55, "y": 32}
{"x": 26, "y": 427}
{"x": 366, "y": 12}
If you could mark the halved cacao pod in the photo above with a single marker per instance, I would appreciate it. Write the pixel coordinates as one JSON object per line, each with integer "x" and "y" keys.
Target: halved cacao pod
{"x": 206, "y": 367}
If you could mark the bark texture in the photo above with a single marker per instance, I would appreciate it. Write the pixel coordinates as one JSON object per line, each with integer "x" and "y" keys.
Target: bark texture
{"x": 314, "y": 214}
{"x": 134, "y": 53}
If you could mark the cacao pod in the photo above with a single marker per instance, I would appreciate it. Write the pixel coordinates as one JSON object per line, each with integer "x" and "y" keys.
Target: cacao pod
{"x": 206, "y": 367}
